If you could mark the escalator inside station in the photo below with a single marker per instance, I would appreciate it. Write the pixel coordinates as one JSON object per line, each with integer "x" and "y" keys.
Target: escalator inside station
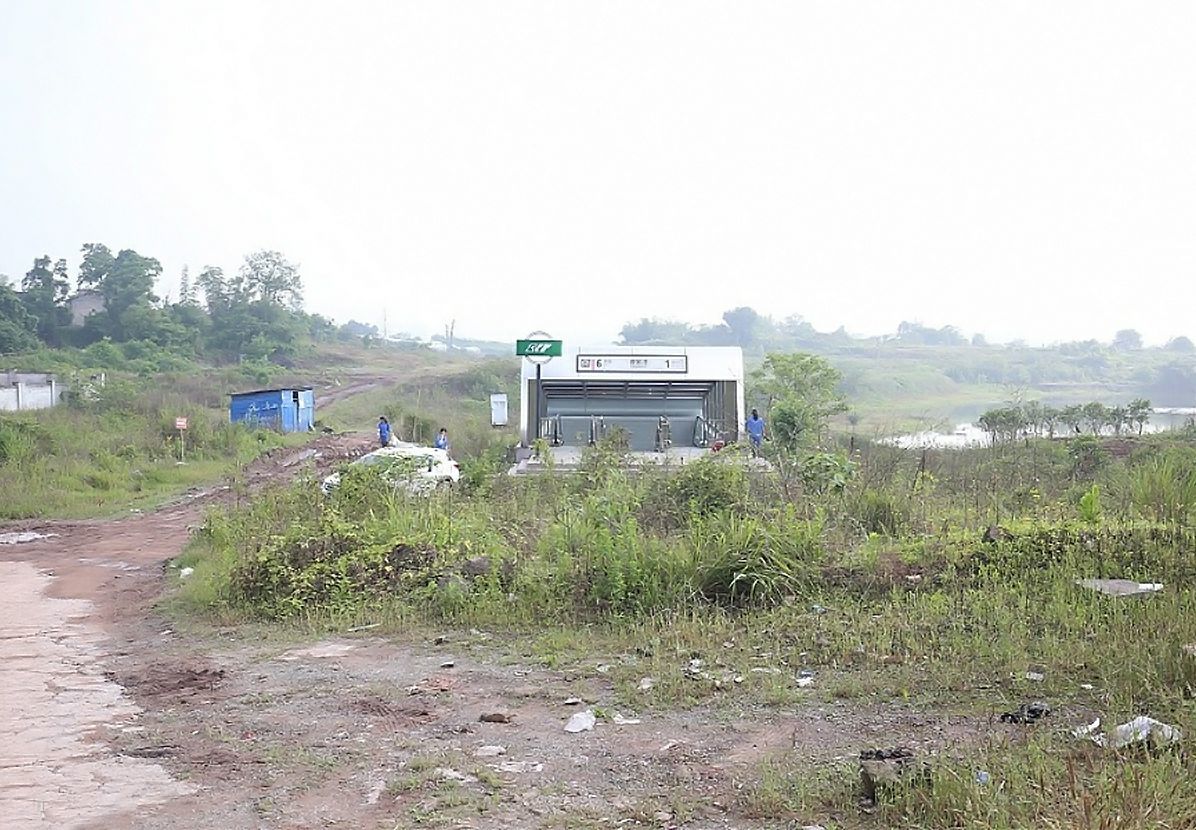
{"x": 655, "y": 416}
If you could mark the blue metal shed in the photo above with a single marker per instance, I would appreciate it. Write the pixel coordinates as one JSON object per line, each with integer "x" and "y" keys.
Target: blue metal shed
{"x": 286, "y": 410}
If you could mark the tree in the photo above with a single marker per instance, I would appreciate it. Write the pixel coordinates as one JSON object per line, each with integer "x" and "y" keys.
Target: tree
{"x": 1139, "y": 411}
{"x": 800, "y": 394}
{"x": 1127, "y": 340}
{"x": 1004, "y": 423}
{"x": 128, "y": 285}
{"x": 1096, "y": 416}
{"x": 746, "y": 325}
{"x": 267, "y": 277}
{"x": 43, "y": 292}
{"x": 186, "y": 289}
{"x": 654, "y": 331}
{"x": 217, "y": 293}
{"x": 1072, "y": 416}
{"x": 18, "y": 328}
{"x": 96, "y": 265}
{"x": 1180, "y": 344}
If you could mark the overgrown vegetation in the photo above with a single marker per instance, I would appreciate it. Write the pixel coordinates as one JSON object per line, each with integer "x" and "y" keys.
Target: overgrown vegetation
{"x": 113, "y": 445}
{"x": 890, "y": 587}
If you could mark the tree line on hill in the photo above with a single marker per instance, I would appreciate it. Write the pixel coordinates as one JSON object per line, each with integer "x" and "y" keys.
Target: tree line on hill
{"x": 918, "y": 356}
{"x": 254, "y": 313}
{"x": 749, "y": 329}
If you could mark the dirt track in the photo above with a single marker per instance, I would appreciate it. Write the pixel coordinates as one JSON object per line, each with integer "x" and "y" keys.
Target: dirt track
{"x": 112, "y": 720}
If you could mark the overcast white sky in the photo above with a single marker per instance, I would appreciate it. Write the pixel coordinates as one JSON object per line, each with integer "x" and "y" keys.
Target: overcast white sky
{"x": 1025, "y": 169}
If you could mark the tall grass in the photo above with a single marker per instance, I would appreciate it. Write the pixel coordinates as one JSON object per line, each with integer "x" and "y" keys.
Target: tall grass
{"x": 116, "y": 447}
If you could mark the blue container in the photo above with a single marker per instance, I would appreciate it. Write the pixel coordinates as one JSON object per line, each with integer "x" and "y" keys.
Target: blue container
{"x": 286, "y": 410}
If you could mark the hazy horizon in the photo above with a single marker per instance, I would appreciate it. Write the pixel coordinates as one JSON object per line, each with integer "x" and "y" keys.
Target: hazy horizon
{"x": 1020, "y": 170}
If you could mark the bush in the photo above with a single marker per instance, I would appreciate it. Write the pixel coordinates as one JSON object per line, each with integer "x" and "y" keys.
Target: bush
{"x": 1164, "y": 487}
{"x": 744, "y": 559}
{"x": 699, "y": 489}
{"x": 880, "y": 512}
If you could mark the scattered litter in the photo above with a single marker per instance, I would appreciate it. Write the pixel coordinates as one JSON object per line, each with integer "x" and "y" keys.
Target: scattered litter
{"x": 441, "y": 640}
{"x": 818, "y": 609}
{"x": 1035, "y": 676}
{"x": 1088, "y": 687}
{"x": 22, "y": 538}
{"x": 602, "y": 668}
{"x": 914, "y": 578}
{"x": 1121, "y": 587}
{"x": 693, "y": 670}
{"x": 646, "y": 683}
{"x": 765, "y": 670}
{"x": 489, "y": 751}
{"x": 496, "y": 717}
{"x": 982, "y": 777}
{"x": 357, "y": 628}
{"x": 449, "y": 774}
{"x": 1140, "y": 730}
{"x": 812, "y": 827}
{"x": 670, "y": 745}
{"x": 803, "y": 682}
{"x": 573, "y": 701}
{"x": 447, "y": 664}
{"x": 581, "y": 722}
{"x": 1190, "y": 649}
{"x": 662, "y": 816}
{"x": 737, "y": 678}
{"x": 520, "y": 766}
{"x": 728, "y": 644}
{"x": 1027, "y": 713}
{"x": 186, "y": 572}
{"x": 619, "y": 720}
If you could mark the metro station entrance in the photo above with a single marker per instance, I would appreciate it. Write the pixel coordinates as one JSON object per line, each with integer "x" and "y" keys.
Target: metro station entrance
{"x": 660, "y": 398}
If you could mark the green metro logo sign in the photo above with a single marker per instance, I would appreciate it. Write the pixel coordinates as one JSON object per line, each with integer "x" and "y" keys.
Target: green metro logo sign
{"x": 538, "y": 348}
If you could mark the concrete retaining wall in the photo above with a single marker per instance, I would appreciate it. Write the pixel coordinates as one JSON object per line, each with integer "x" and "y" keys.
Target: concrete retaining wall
{"x": 22, "y": 397}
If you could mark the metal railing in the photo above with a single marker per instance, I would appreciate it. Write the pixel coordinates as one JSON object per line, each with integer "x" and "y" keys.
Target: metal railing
{"x": 707, "y": 432}
{"x": 664, "y": 434}
{"x": 597, "y": 429}
{"x": 550, "y": 430}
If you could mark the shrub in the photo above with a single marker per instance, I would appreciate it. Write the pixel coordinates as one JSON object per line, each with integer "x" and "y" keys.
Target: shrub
{"x": 754, "y": 559}
{"x": 1164, "y": 487}
{"x": 698, "y": 489}
{"x": 880, "y": 512}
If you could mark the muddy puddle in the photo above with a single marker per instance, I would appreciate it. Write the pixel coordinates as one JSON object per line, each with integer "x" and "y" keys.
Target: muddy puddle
{"x": 55, "y": 703}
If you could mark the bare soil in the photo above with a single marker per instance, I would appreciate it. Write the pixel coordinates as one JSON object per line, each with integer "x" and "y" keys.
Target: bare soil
{"x": 111, "y": 719}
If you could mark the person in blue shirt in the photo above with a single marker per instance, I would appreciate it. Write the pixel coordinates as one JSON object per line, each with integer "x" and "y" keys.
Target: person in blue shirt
{"x": 442, "y": 439}
{"x": 755, "y": 430}
{"x": 384, "y": 431}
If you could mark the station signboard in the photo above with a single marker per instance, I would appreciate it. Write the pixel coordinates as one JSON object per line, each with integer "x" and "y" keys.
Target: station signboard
{"x": 657, "y": 364}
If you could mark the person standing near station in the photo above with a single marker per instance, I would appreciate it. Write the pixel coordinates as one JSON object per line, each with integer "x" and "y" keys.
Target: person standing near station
{"x": 755, "y": 430}
{"x": 384, "y": 431}
{"x": 442, "y": 442}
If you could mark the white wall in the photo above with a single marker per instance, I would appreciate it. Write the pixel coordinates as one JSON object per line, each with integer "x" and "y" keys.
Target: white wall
{"x": 22, "y": 397}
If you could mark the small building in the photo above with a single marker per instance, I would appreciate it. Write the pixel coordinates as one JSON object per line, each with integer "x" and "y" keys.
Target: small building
{"x": 661, "y": 397}
{"x": 83, "y": 305}
{"x": 286, "y": 410}
{"x": 23, "y": 391}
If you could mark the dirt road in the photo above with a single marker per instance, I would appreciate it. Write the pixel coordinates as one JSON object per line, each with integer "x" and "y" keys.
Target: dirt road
{"x": 111, "y": 719}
